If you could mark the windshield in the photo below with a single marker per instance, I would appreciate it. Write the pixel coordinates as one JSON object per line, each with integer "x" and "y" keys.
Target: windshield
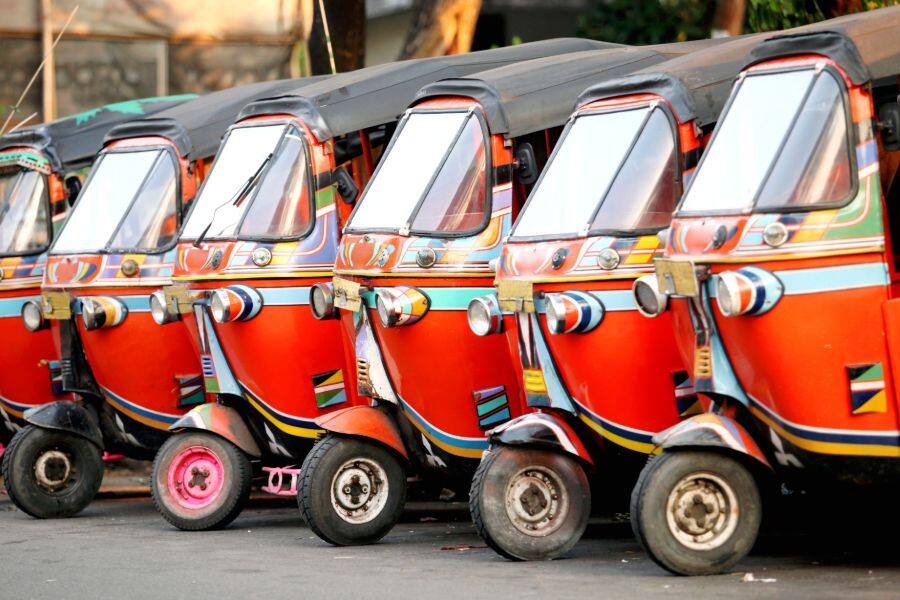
{"x": 24, "y": 213}
{"x": 783, "y": 143}
{"x": 432, "y": 180}
{"x": 128, "y": 203}
{"x": 258, "y": 187}
{"x": 612, "y": 171}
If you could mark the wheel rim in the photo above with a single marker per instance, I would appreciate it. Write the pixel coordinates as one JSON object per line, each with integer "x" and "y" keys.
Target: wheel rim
{"x": 359, "y": 490}
{"x": 196, "y": 476}
{"x": 53, "y": 470}
{"x": 536, "y": 501}
{"x": 702, "y": 511}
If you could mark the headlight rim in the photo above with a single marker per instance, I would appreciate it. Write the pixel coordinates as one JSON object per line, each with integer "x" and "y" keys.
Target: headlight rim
{"x": 43, "y": 323}
{"x": 651, "y": 281}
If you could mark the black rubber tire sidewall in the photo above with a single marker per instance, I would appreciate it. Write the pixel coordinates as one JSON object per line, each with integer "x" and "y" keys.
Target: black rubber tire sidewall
{"x": 22, "y": 486}
{"x": 487, "y": 503}
{"x": 314, "y": 490}
{"x": 649, "y": 511}
{"x": 235, "y": 490}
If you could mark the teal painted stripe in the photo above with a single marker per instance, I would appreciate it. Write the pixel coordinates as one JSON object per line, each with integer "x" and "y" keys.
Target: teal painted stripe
{"x": 285, "y": 296}
{"x": 494, "y": 404}
{"x": 503, "y": 415}
{"x": 613, "y": 300}
{"x": 12, "y": 307}
{"x": 831, "y": 279}
{"x": 447, "y": 438}
{"x": 442, "y": 298}
{"x": 135, "y": 303}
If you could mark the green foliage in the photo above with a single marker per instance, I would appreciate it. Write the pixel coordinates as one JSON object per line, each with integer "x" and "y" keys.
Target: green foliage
{"x": 647, "y": 21}
{"x": 771, "y": 15}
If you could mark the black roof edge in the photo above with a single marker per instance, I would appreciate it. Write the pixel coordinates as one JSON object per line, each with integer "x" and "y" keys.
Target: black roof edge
{"x": 33, "y": 137}
{"x": 167, "y": 128}
{"x": 833, "y": 44}
{"x": 299, "y": 106}
{"x": 660, "y": 83}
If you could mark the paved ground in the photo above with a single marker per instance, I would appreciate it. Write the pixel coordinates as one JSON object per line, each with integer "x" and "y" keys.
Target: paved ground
{"x": 119, "y": 547}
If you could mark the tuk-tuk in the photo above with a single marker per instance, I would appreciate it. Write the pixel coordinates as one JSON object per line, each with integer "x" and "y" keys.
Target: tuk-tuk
{"x": 780, "y": 277}
{"x": 602, "y": 378}
{"x": 246, "y": 262}
{"x": 41, "y": 171}
{"x": 132, "y": 379}
{"x": 420, "y": 245}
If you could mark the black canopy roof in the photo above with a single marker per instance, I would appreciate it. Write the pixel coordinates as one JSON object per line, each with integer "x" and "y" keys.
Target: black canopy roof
{"x": 537, "y": 94}
{"x": 77, "y": 138}
{"x": 866, "y": 45}
{"x": 375, "y": 95}
{"x": 696, "y": 85}
{"x": 196, "y": 127}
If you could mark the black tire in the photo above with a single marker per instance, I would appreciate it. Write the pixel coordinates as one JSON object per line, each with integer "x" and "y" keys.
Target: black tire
{"x": 71, "y": 469}
{"x": 729, "y": 488}
{"x": 173, "y": 499}
{"x": 333, "y": 455}
{"x": 509, "y": 534}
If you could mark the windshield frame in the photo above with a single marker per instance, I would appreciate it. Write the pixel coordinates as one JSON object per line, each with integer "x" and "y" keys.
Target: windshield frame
{"x": 470, "y": 112}
{"x": 819, "y": 68}
{"x": 49, "y": 202}
{"x": 650, "y": 107}
{"x": 251, "y": 197}
{"x": 167, "y": 150}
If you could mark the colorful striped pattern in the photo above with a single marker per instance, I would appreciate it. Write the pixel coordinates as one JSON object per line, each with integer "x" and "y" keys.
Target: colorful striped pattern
{"x": 190, "y": 390}
{"x": 329, "y": 388}
{"x": 867, "y": 393}
{"x": 492, "y": 406}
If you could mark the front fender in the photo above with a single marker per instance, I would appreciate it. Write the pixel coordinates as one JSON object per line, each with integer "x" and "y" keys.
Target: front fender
{"x": 711, "y": 430}
{"x": 365, "y": 421}
{"x": 541, "y": 429}
{"x": 221, "y": 420}
{"x": 64, "y": 415}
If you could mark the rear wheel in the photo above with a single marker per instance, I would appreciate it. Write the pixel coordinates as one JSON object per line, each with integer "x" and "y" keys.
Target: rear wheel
{"x": 200, "y": 481}
{"x": 530, "y": 504}
{"x": 50, "y": 473}
{"x": 696, "y": 513}
{"x": 351, "y": 491}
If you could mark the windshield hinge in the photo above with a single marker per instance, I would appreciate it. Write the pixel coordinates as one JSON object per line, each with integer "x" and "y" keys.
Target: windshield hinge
{"x": 404, "y": 230}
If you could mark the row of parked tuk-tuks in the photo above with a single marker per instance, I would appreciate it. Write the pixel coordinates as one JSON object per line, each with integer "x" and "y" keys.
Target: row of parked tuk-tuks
{"x": 337, "y": 287}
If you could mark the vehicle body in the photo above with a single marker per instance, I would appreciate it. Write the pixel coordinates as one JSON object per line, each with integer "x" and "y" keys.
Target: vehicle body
{"x": 418, "y": 248}
{"x": 41, "y": 170}
{"x": 273, "y": 367}
{"x": 132, "y": 378}
{"x": 782, "y": 286}
{"x": 602, "y": 378}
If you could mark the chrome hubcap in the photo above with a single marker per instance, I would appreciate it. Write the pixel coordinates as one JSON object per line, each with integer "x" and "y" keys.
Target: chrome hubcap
{"x": 52, "y": 470}
{"x": 536, "y": 503}
{"x": 702, "y": 511}
{"x": 359, "y": 490}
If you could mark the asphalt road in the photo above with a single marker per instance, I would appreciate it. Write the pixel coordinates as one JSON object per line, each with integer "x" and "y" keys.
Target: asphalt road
{"x": 120, "y": 548}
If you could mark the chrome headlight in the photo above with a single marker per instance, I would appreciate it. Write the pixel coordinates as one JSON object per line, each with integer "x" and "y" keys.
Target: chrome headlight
{"x": 651, "y": 302}
{"x": 33, "y": 316}
{"x": 484, "y": 315}
{"x": 747, "y": 291}
{"x": 235, "y": 303}
{"x": 572, "y": 312}
{"x": 102, "y": 311}
{"x": 159, "y": 309}
{"x": 321, "y": 301}
{"x": 401, "y": 305}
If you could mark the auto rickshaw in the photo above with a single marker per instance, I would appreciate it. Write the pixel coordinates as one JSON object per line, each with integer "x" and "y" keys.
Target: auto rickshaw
{"x": 420, "y": 245}
{"x": 244, "y": 272}
{"x": 564, "y": 277}
{"x": 41, "y": 171}
{"x": 117, "y": 246}
{"x": 780, "y": 277}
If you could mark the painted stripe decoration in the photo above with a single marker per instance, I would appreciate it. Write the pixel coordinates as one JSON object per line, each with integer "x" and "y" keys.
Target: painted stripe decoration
{"x": 492, "y": 406}
{"x": 867, "y": 393}
{"x": 329, "y": 388}
{"x": 12, "y": 307}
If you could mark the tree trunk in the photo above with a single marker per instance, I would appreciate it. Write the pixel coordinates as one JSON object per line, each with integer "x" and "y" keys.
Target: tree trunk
{"x": 441, "y": 27}
{"x": 729, "y": 18}
{"x": 347, "y": 28}
{"x": 836, "y": 8}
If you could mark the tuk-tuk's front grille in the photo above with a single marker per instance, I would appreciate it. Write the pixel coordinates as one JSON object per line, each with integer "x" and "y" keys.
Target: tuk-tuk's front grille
{"x": 362, "y": 373}
{"x": 702, "y": 362}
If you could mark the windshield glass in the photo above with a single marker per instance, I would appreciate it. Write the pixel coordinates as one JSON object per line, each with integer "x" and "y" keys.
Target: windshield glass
{"x": 108, "y": 199}
{"x": 783, "y": 143}
{"x": 587, "y": 167}
{"x": 244, "y": 157}
{"x": 433, "y": 178}
{"x": 24, "y": 213}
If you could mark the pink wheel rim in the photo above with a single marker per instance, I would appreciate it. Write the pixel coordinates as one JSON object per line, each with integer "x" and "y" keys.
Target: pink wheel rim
{"x": 195, "y": 477}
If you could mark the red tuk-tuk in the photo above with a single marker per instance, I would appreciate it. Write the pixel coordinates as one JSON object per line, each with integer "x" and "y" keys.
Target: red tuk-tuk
{"x": 781, "y": 280}
{"x": 244, "y": 273}
{"x": 421, "y": 244}
{"x": 117, "y": 246}
{"x": 41, "y": 170}
{"x": 603, "y": 378}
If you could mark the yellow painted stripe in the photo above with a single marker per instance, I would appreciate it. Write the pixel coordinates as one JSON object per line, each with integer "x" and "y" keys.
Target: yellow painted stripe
{"x": 289, "y": 429}
{"x": 642, "y": 447}
{"x": 260, "y": 275}
{"x": 464, "y": 452}
{"x": 161, "y": 425}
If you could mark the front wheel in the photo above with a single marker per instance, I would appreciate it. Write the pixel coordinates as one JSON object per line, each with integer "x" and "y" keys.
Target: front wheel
{"x": 530, "y": 504}
{"x": 200, "y": 481}
{"x": 50, "y": 473}
{"x": 351, "y": 491}
{"x": 696, "y": 513}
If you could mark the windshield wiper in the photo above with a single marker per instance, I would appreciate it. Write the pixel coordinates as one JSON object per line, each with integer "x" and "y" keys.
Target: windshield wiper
{"x": 237, "y": 199}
